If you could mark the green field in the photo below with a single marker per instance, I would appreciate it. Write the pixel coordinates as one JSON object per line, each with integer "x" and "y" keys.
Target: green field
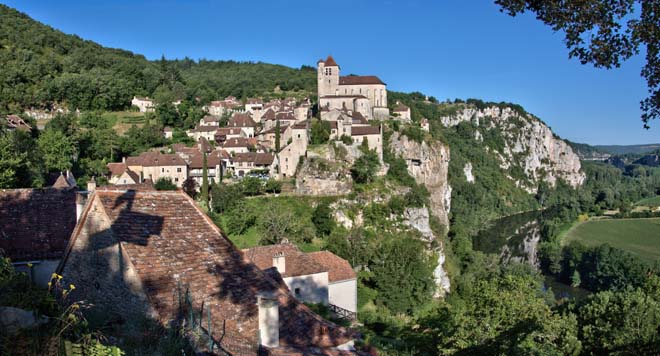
{"x": 638, "y": 236}
{"x": 655, "y": 201}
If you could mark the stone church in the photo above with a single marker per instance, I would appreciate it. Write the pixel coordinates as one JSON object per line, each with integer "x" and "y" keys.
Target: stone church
{"x": 364, "y": 94}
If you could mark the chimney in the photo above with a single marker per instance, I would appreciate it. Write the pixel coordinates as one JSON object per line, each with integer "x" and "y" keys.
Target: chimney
{"x": 91, "y": 185}
{"x": 269, "y": 319}
{"x": 81, "y": 199}
{"x": 279, "y": 262}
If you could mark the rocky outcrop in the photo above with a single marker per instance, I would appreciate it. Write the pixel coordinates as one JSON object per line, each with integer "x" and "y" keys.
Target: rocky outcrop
{"x": 467, "y": 170}
{"x": 428, "y": 164}
{"x": 528, "y": 143}
{"x": 319, "y": 176}
{"x": 418, "y": 219}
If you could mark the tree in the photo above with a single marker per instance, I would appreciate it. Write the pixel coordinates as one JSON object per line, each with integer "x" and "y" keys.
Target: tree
{"x": 365, "y": 167}
{"x": 190, "y": 187}
{"x": 164, "y": 184}
{"x": 276, "y": 224}
{"x": 277, "y": 136}
{"x": 322, "y": 219}
{"x": 320, "y": 132}
{"x": 273, "y": 186}
{"x": 225, "y": 197}
{"x": 605, "y": 33}
{"x": 402, "y": 273}
{"x": 251, "y": 186}
{"x": 205, "y": 181}
{"x": 58, "y": 150}
{"x": 10, "y": 161}
{"x": 575, "y": 279}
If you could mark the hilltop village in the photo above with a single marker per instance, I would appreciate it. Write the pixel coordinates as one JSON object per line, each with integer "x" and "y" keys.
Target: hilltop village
{"x": 265, "y": 139}
{"x": 127, "y": 247}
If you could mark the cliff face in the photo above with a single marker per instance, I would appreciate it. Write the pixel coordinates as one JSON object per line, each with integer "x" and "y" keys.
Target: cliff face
{"x": 527, "y": 143}
{"x": 428, "y": 164}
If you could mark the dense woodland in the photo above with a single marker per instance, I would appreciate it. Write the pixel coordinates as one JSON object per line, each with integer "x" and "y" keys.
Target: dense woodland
{"x": 494, "y": 308}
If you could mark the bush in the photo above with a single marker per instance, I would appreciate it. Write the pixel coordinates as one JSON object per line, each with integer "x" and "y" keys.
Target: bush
{"x": 165, "y": 184}
{"x": 320, "y": 132}
{"x": 224, "y": 197}
{"x": 347, "y": 140}
{"x": 239, "y": 219}
{"x": 364, "y": 169}
{"x": 251, "y": 186}
{"x": 273, "y": 186}
{"x": 322, "y": 219}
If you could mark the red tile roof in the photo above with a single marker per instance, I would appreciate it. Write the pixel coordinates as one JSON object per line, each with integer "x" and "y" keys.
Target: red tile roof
{"x": 364, "y": 130}
{"x": 116, "y": 169}
{"x": 258, "y": 158}
{"x": 241, "y": 120}
{"x": 36, "y": 224}
{"x": 338, "y": 268}
{"x": 237, "y": 142}
{"x": 360, "y": 80}
{"x": 169, "y": 242}
{"x": 401, "y": 108}
{"x": 155, "y": 159}
{"x": 297, "y": 263}
{"x": 330, "y": 62}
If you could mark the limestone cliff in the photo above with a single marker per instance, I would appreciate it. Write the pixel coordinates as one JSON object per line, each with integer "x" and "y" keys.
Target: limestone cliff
{"x": 528, "y": 144}
{"x": 428, "y": 163}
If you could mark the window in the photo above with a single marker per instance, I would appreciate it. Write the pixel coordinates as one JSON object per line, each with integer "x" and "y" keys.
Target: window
{"x": 178, "y": 170}
{"x": 162, "y": 170}
{"x": 297, "y": 291}
{"x": 176, "y": 179}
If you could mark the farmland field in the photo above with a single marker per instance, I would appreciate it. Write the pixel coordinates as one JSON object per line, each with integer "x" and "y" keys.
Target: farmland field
{"x": 655, "y": 201}
{"x": 638, "y": 236}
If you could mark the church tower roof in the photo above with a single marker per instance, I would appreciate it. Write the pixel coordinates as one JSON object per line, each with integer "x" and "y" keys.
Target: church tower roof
{"x": 330, "y": 62}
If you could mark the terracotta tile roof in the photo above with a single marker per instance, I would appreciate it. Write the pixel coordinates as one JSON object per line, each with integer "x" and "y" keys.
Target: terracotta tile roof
{"x": 170, "y": 241}
{"x": 401, "y": 108}
{"x": 272, "y": 130}
{"x": 268, "y": 115}
{"x": 210, "y": 119}
{"x": 36, "y": 224}
{"x": 258, "y": 158}
{"x": 228, "y": 131}
{"x": 213, "y": 159}
{"x": 116, "y": 169}
{"x": 297, "y": 263}
{"x": 285, "y": 116}
{"x": 360, "y": 80}
{"x": 62, "y": 182}
{"x": 358, "y": 118}
{"x": 200, "y": 128}
{"x": 241, "y": 120}
{"x": 338, "y": 268}
{"x": 333, "y": 124}
{"x": 365, "y": 130}
{"x": 155, "y": 159}
{"x": 330, "y": 62}
{"x": 254, "y": 101}
{"x": 237, "y": 142}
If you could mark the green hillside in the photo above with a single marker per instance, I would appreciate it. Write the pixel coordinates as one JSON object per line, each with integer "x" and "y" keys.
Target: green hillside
{"x": 43, "y": 66}
{"x": 627, "y": 149}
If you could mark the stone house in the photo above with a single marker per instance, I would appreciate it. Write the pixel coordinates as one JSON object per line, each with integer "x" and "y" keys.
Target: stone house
{"x": 209, "y": 120}
{"x": 290, "y": 155}
{"x": 216, "y": 163}
{"x": 238, "y": 145}
{"x": 318, "y": 277}
{"x": 133, "y": 252}
{"x": 144, "y": 104}
{"x": 373, "y": 136}
{"x": 120, "y": 174}
{"x": 244, "y": 163}
{"x": 255, "y": 107}
{"x": 225, "y": 133}
{"x": 425, "y": 125}
{"x": 207, "y": 131}
{"x": 168, "y": 132}
{"x": 402, "y": 112}
{"x": 156, "y": 165}
{"x": 219, "y": 107}
{"x": 365, "y": 94}
{"x": 244, "y": 122}
{"x": 267, "y": 137}
{"x": 35, "y": 226}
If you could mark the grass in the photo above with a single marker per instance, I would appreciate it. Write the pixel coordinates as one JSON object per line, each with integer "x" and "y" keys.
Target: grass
{"x": 655, "y": 201}
{"x": 638, "y": 236}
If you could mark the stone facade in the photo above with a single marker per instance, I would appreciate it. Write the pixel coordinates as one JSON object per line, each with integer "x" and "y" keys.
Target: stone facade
{"x": 364, "y": 94}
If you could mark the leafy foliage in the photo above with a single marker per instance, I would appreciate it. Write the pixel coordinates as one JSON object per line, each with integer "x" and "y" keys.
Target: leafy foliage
{"x": 164, "y": 184}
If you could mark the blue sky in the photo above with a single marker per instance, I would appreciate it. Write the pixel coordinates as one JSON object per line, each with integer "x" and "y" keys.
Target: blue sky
{"x": 448, "y": 49}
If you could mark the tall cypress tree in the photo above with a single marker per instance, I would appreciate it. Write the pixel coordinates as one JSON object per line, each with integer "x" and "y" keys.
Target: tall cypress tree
{"x": 205, "y": 182}
{"x": 277, "y": 136}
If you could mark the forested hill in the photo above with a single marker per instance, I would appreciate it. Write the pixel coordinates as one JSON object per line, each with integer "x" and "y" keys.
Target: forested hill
{"x": 42, "y": 66}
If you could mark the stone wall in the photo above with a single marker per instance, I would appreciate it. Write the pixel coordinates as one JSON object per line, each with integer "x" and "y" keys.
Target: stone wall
{"x": 101, "y": 272}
